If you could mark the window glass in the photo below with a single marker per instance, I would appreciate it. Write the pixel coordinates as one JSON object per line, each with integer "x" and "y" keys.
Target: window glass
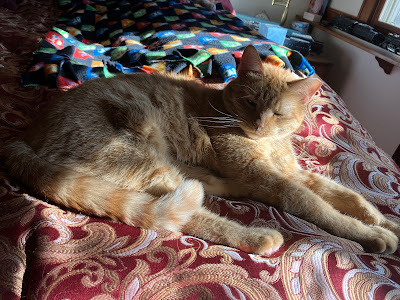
{"x": 391, "y": 13}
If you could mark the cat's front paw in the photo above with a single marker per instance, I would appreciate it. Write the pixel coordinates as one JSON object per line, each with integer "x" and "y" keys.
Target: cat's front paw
{"x": 380, "y": 240}
{"x": 261, "y": 241}
{"x": 392, "y": 226}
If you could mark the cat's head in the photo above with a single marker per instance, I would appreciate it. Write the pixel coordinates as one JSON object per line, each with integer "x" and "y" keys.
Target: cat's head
{"x": 267, "y": 100}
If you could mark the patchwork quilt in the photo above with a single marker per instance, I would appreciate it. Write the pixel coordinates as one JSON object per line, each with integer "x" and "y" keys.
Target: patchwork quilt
{"x": 47, "y": 252}
{"x": 100, "y": 38}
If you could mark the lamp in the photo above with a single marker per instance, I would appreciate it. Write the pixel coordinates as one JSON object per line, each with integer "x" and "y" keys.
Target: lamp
{"x": 284, "y": 3}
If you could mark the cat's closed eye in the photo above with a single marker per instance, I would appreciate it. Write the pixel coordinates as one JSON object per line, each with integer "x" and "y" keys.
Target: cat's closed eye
{"x": 252, "y": 103}
{"x": 277, "y": 114}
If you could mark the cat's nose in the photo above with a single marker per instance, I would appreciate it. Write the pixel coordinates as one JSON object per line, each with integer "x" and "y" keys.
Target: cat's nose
{"x": 258, "y": 125}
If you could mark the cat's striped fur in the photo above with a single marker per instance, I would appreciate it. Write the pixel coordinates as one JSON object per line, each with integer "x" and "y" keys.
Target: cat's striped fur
{"x": 144, "y": 149}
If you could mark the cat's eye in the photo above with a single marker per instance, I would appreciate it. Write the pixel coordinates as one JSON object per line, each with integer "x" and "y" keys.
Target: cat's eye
{"x": 277, "y": 114}
{"x": 252, "y": 103}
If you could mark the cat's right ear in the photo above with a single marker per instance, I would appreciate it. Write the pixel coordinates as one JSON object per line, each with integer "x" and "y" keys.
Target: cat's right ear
{"x": 250, "y": 62}
{"x": 306, "y": 87}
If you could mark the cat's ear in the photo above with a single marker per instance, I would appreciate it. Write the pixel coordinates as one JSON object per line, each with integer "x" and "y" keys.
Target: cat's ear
{"x": 306, "y": 87}
{"x": 250, "y": 62}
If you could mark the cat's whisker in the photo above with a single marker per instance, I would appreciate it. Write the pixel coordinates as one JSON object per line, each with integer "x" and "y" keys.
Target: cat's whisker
{"x": 213, "y": 118}
{"x": 221, "y": 126}
{"x": 220, "y": 122}
{"x": 217, "y": 110}
{"x": 223, "y": 120}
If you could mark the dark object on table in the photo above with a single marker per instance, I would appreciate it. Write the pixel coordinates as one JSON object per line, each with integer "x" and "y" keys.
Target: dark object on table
{"x": 343, "y": 23}
{"x": 392, "y": 43}
{"x": 360, "y": 30}
{"x": 317, "y": 47}
{"x": 368, "y": 33}
{"x": 298, "y": 44}
{"x": 303, "y": 43}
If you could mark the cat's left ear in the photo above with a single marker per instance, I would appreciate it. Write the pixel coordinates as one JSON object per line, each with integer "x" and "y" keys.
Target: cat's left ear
{"x": 250, "y": 61}
{"x": 306, "y": 87}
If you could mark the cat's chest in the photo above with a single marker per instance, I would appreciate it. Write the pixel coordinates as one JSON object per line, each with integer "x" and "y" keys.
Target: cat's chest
{"x": 279, "y": 154}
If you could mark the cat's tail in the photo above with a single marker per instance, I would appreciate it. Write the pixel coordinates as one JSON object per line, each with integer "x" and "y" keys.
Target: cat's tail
{"x": 95, "y": 196}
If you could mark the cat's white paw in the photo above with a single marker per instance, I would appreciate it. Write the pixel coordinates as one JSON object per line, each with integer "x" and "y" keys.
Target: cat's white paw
{"x": 380, "y": 240}
{"x": 261, "y": 241}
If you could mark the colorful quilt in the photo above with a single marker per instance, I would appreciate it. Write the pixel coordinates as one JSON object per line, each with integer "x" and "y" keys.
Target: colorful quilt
{"x": 100, "y": 38}
{"x": 47, "y": 252}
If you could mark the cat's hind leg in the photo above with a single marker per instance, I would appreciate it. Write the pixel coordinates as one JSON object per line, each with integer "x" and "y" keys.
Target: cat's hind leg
{"x": 160, "y": 197}
{"x": 213, "y": 184}
{"x": 210, "y": 226}
{"x": 181, "y": 210}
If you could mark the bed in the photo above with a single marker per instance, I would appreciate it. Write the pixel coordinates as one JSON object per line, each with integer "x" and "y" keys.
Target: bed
{"x": 51, "y": 253}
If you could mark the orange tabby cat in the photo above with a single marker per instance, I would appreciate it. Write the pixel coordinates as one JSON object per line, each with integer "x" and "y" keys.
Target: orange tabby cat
{"x": 143, "y": 149}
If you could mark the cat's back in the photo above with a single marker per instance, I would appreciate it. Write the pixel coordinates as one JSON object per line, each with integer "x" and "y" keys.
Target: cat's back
{"x": 126, "y": 91}
{"x": 106, "y": 98}
{"x": 91, "y": 115}
{"x": 120, "y": 88}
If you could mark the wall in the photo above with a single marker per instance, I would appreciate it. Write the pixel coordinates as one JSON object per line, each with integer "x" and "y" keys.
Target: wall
{"x": 372, "y": 96}
{"x": 351, "y": 7}
{"x": 274, "y": 12}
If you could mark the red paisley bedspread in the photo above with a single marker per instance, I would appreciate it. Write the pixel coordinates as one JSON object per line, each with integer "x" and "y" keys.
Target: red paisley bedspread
{"x": 50, "y": 253}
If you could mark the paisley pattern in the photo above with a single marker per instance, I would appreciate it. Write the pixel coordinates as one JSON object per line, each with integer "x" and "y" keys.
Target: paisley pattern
{"x": 50, "y": 253}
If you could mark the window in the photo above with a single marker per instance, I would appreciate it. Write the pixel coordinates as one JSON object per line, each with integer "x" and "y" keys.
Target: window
{"x": 384, "y": 15}
{"x": 391, "y": 13}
